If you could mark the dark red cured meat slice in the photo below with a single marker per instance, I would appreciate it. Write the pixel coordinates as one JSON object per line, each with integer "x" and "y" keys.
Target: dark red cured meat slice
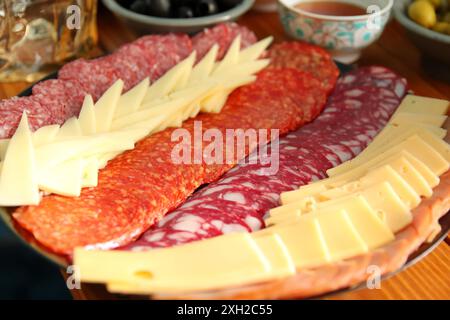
{"x": 374, "y": 76}
{"x": 223, "y": 35}
{"x": 131, "y": 194}
{"x": 62, "y": 98}
{"x": 148, "y": 56}
{"x": 299, "y": 164}
{"x": 306, "y": 57}
{"x": 11, "y": 111}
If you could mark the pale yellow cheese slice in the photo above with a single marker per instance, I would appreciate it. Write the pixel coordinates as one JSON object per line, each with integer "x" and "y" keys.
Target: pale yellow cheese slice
{"x": 409, "y": 118}
{"x": 407, "y": 194}
{"x": 90, "y": 172}
{"x": 88, "y": 122}
{"x": 18, "y": 176}
{"x": 231, "y": 57}
{"x": 217, "y": 264}
{"x": 393, "y": 135}
{"x": 423, "y": 145}
{"x": 424, "y": 105}
{"x": 254, "y": 51}
{"x": 106, "y": 105}
{"x": 167, "y": 83}
{"x": 341, "y": 238}
{"x": 65, "y": 178}
{"x": 281, "y": 264}
{"x": 371, "y": 229}
{"x": 303, "y": 240}
{"x": 45, "y": 134}
{"x": 399, "y": 161}
{"x": 130, "y": 101}
{"x": 203, "y": 69}
{"x": 70, "y": 128}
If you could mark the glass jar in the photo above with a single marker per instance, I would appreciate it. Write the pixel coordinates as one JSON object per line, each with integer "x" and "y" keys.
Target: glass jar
{"x": 37, "y": 36}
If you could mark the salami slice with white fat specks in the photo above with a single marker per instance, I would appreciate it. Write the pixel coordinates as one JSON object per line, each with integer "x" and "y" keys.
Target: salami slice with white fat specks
{"x": 223, "y": 35}
{"x": 351, "y": 119}
{"x": 379, "y": 76}
{"x": 11, "y": 111}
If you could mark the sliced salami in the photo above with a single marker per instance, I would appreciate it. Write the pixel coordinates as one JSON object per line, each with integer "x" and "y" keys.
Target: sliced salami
{"x": 223, "y": 35}
{"x": 304, "y": 156}
{"x": 374, "y": 76}
{"x": 11, "y": 111}
{"x": 306, "y": 57}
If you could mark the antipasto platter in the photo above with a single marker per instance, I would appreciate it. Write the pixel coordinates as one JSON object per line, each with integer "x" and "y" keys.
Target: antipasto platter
{"x": 223, "y": 167}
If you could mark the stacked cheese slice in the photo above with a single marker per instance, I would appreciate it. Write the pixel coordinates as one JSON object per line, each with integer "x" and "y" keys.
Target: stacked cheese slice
{"x": 359, "y": 208}
{"x": 64, "y": 159}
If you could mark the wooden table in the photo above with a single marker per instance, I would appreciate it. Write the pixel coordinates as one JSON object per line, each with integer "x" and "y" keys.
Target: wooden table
{"x": 428, "y": 279}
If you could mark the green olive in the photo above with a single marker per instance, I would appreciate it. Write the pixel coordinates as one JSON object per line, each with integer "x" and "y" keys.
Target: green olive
{"x": 423, "y": 13}
{"x": 441, "y": 27}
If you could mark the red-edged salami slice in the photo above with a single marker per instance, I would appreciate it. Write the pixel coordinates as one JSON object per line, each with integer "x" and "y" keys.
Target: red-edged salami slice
{"x": 306, "y": 57}
{"x": 223, "y": 35}
{"x": 350, "y": 121}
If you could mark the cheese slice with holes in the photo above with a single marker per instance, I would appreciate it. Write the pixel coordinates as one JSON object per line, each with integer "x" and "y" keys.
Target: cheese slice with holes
{"x": 423, "y": 105}
{"x": 159, "y": 270}
{"x": 371, "y": 229}
{"x": 18, "y": 176}
{"x": 409, "y": 118}
{"x": 273, "y": 248}
{"x": 406, "y": 192}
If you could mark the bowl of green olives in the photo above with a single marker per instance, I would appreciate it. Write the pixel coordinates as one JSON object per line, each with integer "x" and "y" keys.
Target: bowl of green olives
{"x": 427, "y": 23}
{"x": 188, "y": 16}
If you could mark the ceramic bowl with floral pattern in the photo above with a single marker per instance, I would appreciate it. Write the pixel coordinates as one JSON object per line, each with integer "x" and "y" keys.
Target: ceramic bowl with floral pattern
{"x": 344, "y": 36}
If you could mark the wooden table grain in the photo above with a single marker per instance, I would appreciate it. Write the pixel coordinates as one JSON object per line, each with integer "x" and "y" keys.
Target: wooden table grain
{"x": 429, "y": 278}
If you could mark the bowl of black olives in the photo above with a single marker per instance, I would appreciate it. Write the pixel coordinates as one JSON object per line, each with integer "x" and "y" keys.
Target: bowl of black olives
{"x": 189, "y": 16}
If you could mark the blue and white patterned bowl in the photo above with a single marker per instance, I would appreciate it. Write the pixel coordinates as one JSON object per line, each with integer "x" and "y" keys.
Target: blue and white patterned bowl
{"x": 344, "y": 36}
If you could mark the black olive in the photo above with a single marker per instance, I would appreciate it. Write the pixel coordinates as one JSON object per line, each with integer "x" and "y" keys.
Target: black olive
{"x": 140, "y": 6}
{"x": 185, "y": 12}
{"x": 228, "y": 4}
{"x": 206, "y": 7}
{"x": 160, "y": 8}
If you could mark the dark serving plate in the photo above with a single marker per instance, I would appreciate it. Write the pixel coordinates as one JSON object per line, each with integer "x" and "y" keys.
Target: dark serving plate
{"x": 63, "y": 262}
